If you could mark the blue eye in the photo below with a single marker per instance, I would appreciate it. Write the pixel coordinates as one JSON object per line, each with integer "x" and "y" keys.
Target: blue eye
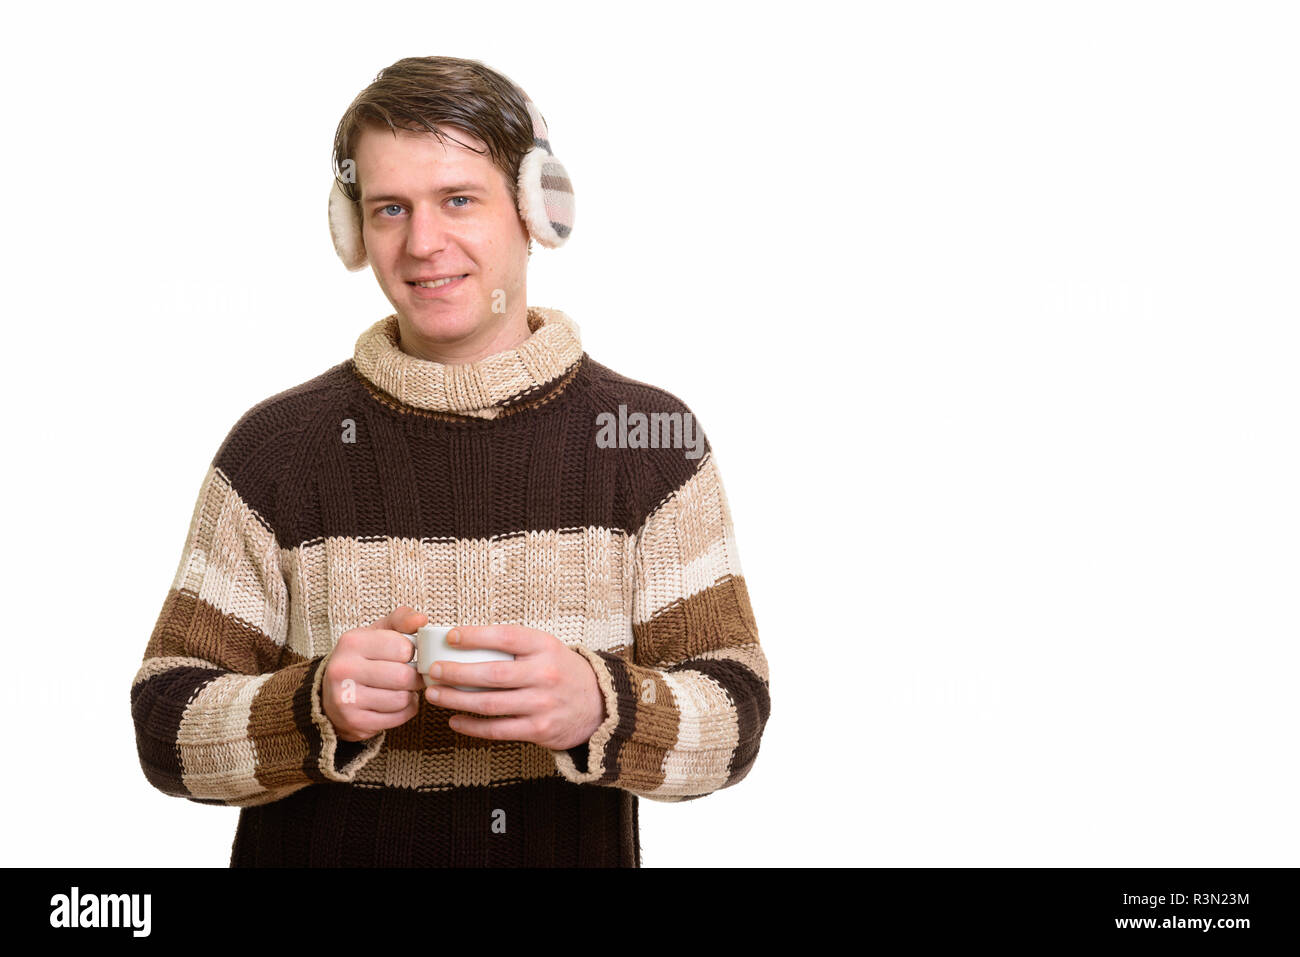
{"x": 391, "y": 206}
{"x": 460, "y": 197}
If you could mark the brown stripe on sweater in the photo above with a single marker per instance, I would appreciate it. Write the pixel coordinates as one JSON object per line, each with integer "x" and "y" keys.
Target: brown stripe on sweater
{"x": 656, "y": 725}
{"x": 596, "y": 845}
{"x": 644, "y": 730}
{"x": 619, "y": 486}
{"x": 277, "y": 719}
{"x": 641, "y": 763}
{"x": 549, "y": 823}
{"x": 190, "y": 627}
{"x": 631, "y": 830}
{"x": 718, "y": 617}
{"x": 624, "y": 691}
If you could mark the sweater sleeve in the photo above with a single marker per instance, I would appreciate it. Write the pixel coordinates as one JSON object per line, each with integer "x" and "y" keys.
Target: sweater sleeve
{"x": 224, "y": 713}
{"x": 685, "y": 714}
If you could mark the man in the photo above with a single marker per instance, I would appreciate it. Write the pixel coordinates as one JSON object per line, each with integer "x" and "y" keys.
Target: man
{"x": 463, "y": 468}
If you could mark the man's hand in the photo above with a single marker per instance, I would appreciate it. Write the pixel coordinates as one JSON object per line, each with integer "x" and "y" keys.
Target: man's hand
{"x": 369, "y": 684}
{"x": 551, "y": 696}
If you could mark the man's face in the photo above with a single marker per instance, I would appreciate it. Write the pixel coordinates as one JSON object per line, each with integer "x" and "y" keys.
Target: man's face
{"x": 432, "y": 209}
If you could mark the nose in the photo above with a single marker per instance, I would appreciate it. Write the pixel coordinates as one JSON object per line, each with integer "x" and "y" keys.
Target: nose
{"x": 426, "y": 234}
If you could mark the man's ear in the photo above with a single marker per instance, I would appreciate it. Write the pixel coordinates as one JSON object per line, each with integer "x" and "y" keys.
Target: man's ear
{"x": 345, "y": 229}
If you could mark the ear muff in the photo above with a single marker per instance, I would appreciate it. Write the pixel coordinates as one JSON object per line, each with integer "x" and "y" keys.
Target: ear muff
{"x": 545, "y": 193}
{"x": 345, "y": 229}
{"x": 545, "y": 201}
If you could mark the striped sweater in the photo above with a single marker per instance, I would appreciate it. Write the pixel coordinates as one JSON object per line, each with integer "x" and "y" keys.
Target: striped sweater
{"x": 517, "y": 489}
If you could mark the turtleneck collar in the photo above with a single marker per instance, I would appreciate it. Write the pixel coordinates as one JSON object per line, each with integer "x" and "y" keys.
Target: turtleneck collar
{"x": 485, "y": 388}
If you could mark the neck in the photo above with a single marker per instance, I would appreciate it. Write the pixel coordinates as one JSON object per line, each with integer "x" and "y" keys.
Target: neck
{"x": 501, "y": 332}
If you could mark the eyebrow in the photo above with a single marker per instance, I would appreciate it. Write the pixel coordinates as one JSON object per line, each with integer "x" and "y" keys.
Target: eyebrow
{"x": 456, "y": 188}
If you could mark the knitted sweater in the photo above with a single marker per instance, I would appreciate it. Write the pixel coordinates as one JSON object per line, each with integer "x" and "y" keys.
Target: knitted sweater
{"x": 482, "y": 493}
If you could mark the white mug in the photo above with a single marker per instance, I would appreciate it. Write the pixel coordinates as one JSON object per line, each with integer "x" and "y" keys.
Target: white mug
{"x": 430, "y": 643}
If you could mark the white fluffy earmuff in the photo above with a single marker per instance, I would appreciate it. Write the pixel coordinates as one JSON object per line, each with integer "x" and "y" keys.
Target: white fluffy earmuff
{"x": 545, "y": 192}
{"x": 345, "y": 229}
{"x": 545, "y": 200}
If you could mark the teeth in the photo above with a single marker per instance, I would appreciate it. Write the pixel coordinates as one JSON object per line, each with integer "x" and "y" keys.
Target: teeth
{"x": 440, "y": 282}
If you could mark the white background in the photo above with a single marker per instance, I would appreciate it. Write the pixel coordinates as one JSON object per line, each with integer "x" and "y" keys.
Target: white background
{"x": 988, "y": 310}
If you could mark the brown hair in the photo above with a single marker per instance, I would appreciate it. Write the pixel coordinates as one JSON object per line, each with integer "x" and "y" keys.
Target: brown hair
{"x": 422, "y": 93}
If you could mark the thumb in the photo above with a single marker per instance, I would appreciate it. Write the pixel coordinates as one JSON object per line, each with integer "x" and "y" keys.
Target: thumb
{"x": 404, "y": 619}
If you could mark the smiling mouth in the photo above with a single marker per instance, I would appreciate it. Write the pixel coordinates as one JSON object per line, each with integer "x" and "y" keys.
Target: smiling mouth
{"x": 437, "y": 283}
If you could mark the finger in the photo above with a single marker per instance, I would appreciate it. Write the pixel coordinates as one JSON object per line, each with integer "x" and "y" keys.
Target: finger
{"x": 515, "y": 639}
{"x": 383, "y": 700}
{"x": 496, "y": 729}
{"x": 485, "y": 674}
{"x": 389, "y": 645}
{"x": 399, "y": 618}
{"x": 403, "y": 621}
{"x": 378, "y": 672}
{"x": 417, "y": 680}
{"x": 382, "y": 673}
{"x": 481, "y": 702}
{"x": 372, "y": 722}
